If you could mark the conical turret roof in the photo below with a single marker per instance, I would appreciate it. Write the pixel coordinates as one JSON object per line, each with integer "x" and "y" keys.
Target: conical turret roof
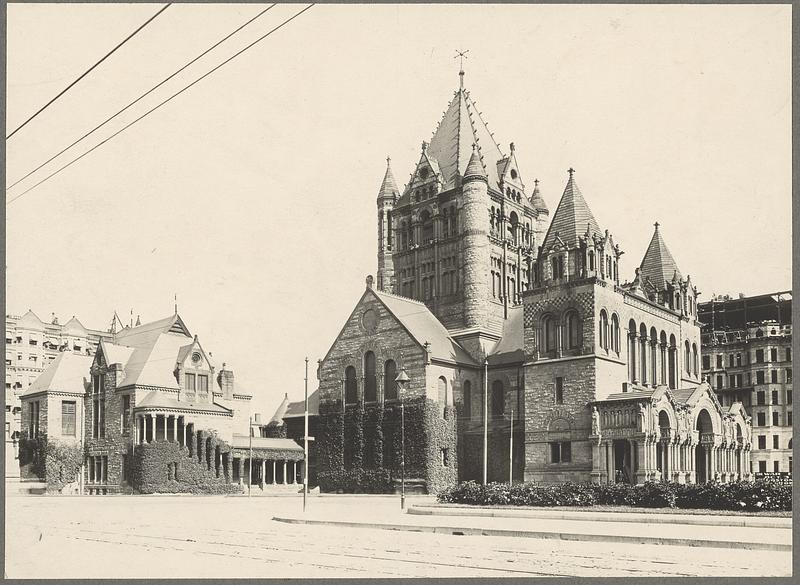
{"x": 658, "y": 264}
{"x": 572, "y": 217}
{"x": 460, "y": 128}
{"x": 475, "y": 167}
{"x": 388, "y": 186}
{"x": 537, "y": 201}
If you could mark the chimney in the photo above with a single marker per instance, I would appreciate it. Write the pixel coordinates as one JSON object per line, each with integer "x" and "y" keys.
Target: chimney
{"x": 225, "y": 381}
{"x": 257, "y": 418}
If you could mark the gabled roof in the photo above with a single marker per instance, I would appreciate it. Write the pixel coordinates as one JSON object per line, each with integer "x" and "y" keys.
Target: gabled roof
{"x": 69, "y": 372}
{"x": 423, "y": 326}
{"x": 510, "y": 347}
{"x": 31, "y": 321}
{"x": 114, "y": 353}
{"x": 74, "y": 327}
{"x": 658, "y": 264}
{"x": 571, "y": 219}
{"x": 451, "y": 145}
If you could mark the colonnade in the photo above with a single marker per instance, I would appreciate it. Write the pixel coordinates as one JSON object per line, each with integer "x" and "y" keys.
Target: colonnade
{"x": 652, "y": 362}
{"x": 147, "y": 428}
{"x": 269, "y": 471}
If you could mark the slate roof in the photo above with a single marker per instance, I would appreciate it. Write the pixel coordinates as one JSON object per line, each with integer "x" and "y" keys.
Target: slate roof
{"x": 571, "y": 218}
{"x": 157, "y": 399}
{"x": 297, "y": 409}
{"x": 510, "y": 347}
{"x": 423, "y": 326}
{"x": 658, "y": 264}
{"x": 388, "y": 185}
{"x": 451, "y": 145}
{"x": 634, "y": 395}
{"x": 69, "y": 372}
{"x": 537, "y": 201}
{"x": 243, "y": 442}
{"x": 280, "y": 413}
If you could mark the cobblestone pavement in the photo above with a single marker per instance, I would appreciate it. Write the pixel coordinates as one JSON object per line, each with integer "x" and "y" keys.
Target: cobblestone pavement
{"x": 217, "y": 537}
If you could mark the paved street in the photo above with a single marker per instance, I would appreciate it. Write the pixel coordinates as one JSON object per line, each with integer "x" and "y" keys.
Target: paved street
{"x": 214, "y": 536}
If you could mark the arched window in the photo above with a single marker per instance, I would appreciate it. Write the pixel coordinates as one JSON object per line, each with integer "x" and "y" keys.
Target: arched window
{"x": 603, "y": 330}
{"x": 615, "y": 333}
{"x": 694, "y": 359}
{"x": 390, "y": 380}
{"x": 512, "y": 227}
{"x": 403, "y": 235}
{"x": 350, "y": 386}
{"x": 370, "y": 379}
{"x": 498, "y": 399}
{"x": 686, "y": 357}
{"x": 573, "y": 330}
{"x": 549, "y": 335}
{"x": 591, "y": 260}
{"x": 467, "y": 399}
{"x": 443, "y": 396}
{"x": 427, "y": 226}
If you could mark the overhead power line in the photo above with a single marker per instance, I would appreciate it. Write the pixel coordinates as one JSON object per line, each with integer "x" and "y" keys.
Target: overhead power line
{"x": 148, "y": 92}
{"x": 85, "y": 73}
{"x": 150, "y": 111}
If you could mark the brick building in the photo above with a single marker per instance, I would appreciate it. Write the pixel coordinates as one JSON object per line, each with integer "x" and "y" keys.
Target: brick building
{"x": 488, "y": 313}
{"x": 747, "y": 359}
{"x": 31, "y": 345}
{"x": 151, "y": 412}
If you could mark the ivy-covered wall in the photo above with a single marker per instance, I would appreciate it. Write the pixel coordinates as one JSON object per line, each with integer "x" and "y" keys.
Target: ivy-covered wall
{"x": 55, "y": 462}
{"x": 165, "y": 467}
{"x": 361, "y": 449}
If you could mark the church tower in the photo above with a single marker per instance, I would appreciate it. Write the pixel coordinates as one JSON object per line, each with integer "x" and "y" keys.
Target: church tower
{"x": 387, "y": 196}
{"x": 464, "y": 228}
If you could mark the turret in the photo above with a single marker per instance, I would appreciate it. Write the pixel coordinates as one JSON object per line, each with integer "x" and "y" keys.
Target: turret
{"x": 475, "y": 197}
{"x": 387, "y": 196}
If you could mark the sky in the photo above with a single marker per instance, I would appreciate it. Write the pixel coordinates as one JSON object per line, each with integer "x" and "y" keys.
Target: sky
{"x": 251, "y": 196}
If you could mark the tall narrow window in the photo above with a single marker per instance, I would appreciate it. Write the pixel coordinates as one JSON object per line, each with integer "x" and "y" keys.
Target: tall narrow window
{"x": 370, "y": 379}
{"x": 390, "y": 380}
{"x": 350, "y": 385}
{"x": 98, "y": 407}
{"x": 615, "y": 333}
{"x": 549, "y": 334}
{"x": 603, "y": 330}
{"x": 498, "y": 398}
{"x": 68, "y": 418}
{"x": 467, "y": 399}
{"x": 202, "y": 383}
{"x": 442, "y": 395}
{"x": 573, "y": 330}
{"x": 190, "y": 382}
{"x": 559, "y": 390}
{"x": 126, "y": 412}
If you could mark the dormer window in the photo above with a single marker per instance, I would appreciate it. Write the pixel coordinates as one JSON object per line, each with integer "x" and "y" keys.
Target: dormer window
{"x": 189, "y": 382}
{"x": 558, "y": 267}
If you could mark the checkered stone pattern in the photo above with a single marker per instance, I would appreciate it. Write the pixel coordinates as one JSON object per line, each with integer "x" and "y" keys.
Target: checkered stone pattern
{"x": 557, "y": 300}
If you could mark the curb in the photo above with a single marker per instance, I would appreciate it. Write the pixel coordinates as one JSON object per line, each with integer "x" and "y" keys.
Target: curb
{"x": 472, "y": 531}
{"x": 694, "y": 520}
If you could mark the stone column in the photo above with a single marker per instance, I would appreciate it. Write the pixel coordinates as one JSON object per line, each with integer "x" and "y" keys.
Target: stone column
{"x": 240, "y": 467}
{"x": 274, "y": 471}
{"x": 284, "y": 471}
{"x": 632, "y": 343}
{"x": 610, "y": 461}
{"x": 174, "y": 428}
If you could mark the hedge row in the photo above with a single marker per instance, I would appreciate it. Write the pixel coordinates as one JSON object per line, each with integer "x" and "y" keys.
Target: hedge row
{"x": 752, "y": 496}
{"x": 359, "y": 481}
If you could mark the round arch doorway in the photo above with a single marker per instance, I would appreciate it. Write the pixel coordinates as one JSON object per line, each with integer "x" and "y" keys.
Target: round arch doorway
{"x": 702, "y": 452}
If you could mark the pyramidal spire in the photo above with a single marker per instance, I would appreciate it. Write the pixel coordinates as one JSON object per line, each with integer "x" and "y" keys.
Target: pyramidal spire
{"x": 658, "y": 264}
{"x": 572, "y": 218}
{"x": 388, "y": 186}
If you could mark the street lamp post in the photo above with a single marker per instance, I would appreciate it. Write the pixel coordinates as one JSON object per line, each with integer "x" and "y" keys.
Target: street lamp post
{"x": 511, "y": 451}
{"x": 485, "y": 418}
{"x": 401, "y": 380}
{"x": 305, "y": 444}
{"x": 250, "y": 466}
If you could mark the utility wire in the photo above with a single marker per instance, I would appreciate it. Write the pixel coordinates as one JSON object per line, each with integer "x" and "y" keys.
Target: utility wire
{"x": 148, "y": 92}
{"x": 85, "y": 73}
{"x": 258, "y": 40}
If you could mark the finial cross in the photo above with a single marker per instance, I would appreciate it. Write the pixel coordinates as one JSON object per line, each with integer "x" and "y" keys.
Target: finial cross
{"x": 571, "y": 171}
{"x": 461, "y": 55}
{"x": 656, "y": 224}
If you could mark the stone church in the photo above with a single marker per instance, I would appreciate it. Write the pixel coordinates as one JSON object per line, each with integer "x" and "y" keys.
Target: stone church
{"x": 489, "y": 316}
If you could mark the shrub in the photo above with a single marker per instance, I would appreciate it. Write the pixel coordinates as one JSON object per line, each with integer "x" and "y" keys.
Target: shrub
{"x": 355, "y": 481}
{"x": 750, "y": 496}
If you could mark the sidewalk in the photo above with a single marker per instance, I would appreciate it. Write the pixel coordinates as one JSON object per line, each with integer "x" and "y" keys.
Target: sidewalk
{"x": 568, "y": 514}
{"x": 577, "y": 526}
